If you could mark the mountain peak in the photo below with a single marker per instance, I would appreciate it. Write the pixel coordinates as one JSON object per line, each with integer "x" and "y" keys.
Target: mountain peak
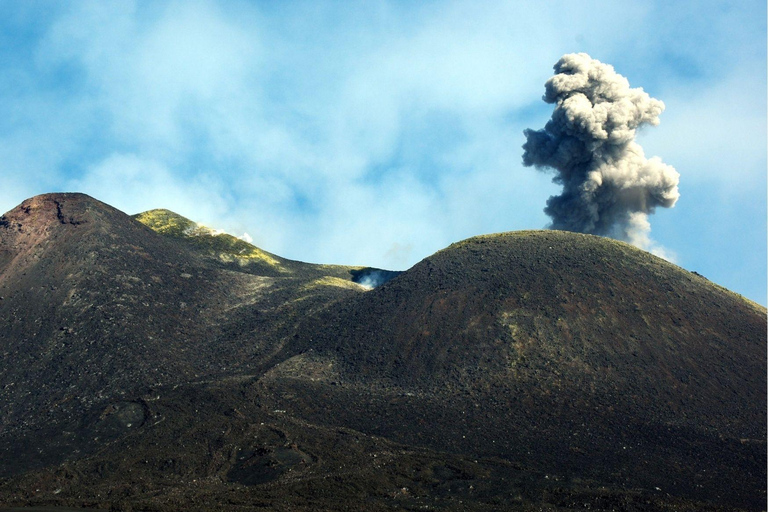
{"x": 57, "y": 223}
{"x": 166, "y": 222}
{"x": 59, "y": 208}
{"x": 213, "y": 243}
{"x": 52, "y": 216}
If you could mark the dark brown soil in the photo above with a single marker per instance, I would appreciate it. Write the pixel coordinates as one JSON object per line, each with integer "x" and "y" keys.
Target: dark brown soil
{"x": 523, "y": 371}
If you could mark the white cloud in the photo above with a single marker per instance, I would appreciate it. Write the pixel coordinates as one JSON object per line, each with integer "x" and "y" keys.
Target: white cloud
{"x": 138, "y": 184}
{"x": 161, "y": 74}
{"x": 370, "y": 133}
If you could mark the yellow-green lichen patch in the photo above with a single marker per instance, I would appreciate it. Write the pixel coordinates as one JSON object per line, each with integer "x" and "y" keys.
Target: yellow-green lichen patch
{"x": 230, "y": 248}
{"x": 219, "y": 244}
{"x": 305, "y": 366}
{"x": 508, "y": 320}
{"x": 332, "y": 281}
{"x": 165, "y": 222}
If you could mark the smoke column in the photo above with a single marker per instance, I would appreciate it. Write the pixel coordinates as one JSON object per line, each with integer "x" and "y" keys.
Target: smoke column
{"x": 609, "y": 187}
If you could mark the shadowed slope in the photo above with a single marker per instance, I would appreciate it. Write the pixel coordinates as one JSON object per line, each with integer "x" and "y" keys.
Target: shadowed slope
{"x": 96, "y": 306}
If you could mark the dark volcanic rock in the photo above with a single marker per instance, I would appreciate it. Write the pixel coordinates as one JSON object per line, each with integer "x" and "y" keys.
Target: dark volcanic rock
{"x": 524, "y": 371}
{"x": 574, "y": 354}
{"x": 96, "y": 306}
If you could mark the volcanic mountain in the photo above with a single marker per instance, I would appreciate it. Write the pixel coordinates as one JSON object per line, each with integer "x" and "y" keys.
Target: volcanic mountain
{"x": 148, "y": 363}
{"x": 96, "y": 305}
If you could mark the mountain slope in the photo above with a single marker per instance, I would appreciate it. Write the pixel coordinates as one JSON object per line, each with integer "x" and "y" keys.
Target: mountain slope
{"x": 588, "y": 304}
{"x": 221, "y": 248}
{"x": 571, "y": 353}
{"x": 159, "y": 369}
{"x": 95, "y": 306}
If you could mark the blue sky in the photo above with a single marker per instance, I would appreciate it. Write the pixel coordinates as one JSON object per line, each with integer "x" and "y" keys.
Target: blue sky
{"x": 378, "y": 132}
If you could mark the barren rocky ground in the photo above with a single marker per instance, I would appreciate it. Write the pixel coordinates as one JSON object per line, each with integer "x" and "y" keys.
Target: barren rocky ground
{"x": 149, "y": 364}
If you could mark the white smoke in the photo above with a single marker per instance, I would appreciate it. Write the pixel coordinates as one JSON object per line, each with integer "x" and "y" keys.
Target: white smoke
{"x": 609, "y": 187}
{"x": 371, "y": 278}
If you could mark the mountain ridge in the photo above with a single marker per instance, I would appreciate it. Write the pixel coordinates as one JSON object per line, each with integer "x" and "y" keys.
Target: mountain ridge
{"x": 80, "y": 277}
{"x": 509, "y": 371}
{"x": 642, "y": 345}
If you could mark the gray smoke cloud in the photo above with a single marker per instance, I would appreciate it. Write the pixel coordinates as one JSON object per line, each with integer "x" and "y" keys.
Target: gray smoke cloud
{"x": 609, "y": 187}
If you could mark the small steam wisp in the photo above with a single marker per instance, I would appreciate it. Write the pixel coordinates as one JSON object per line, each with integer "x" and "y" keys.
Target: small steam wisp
{"x": 609, "y": 187}
{"x": 371, "y": 278}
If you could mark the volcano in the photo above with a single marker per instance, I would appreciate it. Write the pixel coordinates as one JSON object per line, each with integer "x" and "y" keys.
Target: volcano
{"x": 151, "y": 364}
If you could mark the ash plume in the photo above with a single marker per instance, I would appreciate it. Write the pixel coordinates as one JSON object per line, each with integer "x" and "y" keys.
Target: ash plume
{"x": 609, "y": 187}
